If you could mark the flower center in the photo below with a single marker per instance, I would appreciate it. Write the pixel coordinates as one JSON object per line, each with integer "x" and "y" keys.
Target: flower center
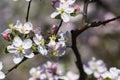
{"x": 54, "y": 53}
{"x": 62, "y": 10}
{"x": 20, "y": 49}
{"x": 41, "y": 42}
{"x": 23, "y": 29}
{"x": 53, "y": 38}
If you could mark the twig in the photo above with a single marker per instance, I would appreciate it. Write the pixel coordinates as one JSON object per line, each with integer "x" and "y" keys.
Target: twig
{"x": 14, "y": 67}
{"x": 28, "y": 10}
{"x": 59, "y": 27}
{"x": 95, "y": 24}
{"x": 85, "y": 12}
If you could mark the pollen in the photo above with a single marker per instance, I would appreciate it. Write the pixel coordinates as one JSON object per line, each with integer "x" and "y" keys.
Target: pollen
{"x": 11, "y": 26}
{"x": 20, "y": 49}
{"x": 23, "y": 29}
{"x": 41, "y": 42}
{"x": 54, "y": 53}
{"x": 62, "y": 10}
{"x": 53, "y": 38}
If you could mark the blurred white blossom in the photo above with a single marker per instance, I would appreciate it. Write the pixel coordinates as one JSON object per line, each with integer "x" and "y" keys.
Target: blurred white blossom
{"x": 95, "y": 67}
{"x": 112, "y": 74}
{"x": 2, "y": 75}
{"x": 51, "y": 71}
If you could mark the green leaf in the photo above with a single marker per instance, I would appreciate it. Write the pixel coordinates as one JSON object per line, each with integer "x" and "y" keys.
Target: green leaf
{"x": 73, "y": 14}
{"x": 34, "y": 48}
{"x": 58, "y": 16}
{"x": 16, "y": 32}
{"x": 6, "y": 51}
{"x": 107, "y": 79}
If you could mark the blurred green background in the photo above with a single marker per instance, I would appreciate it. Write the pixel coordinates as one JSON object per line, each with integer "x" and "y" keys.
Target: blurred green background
{"x": 102, "y": 42}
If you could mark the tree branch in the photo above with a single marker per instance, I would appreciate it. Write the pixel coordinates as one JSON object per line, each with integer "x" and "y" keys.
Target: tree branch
{"x": 28, "y": 10}
{"x": 59, "y": 27}
{"x": 78, "y": 56}
{"x": 85, "y": 12}
{"x": 95, "y": 24}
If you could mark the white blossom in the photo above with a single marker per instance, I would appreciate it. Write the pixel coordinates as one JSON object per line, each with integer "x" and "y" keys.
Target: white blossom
{"x": 20, "y": 49}
{"x": 95, "y": 67}
{"x": 24, "y": 28}
{"x": 64, "y": 10}
{"x": 39, "y": 40}
{"x": 2, "y": 75}
{"x": 113, "y": 74}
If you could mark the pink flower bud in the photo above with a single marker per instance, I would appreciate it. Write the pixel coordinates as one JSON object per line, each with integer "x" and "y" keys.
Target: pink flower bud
{"x": 54, "y": 3}
{"x": 54, "y": 66}
{"x": 6, "y": 36}
{"x": 54, "y": 27}
{"x": 77, "y": 9}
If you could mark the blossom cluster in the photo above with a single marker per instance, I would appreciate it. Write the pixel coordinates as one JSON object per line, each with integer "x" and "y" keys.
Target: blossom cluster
{"x": 98, "y": 69}
{"x": 25, "y": 41}
{"x": 65, "y": 9}
{"x": 51, "y": 71}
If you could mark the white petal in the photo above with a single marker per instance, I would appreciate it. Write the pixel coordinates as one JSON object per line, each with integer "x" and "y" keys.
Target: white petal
{"x": 2, "y": 75}
{"x": 96, "y": 74}
{"x": 54, "y": 14}
{"x": 71, "y": 2}
{"x": 87, "y": 70}
{"x": 17, "y": 58}
{"x": 65, "y": 17}
{"x": 18, "y": 25}
{"x": 27, "y": 44}
{"x": 28, "y": 26}
{"x": 42, "y": 50}
{"x": 17, "y": 41}
{"x": 12, "y": 49}
{"x": 30, "y": 55}
{"x": 69, "y": 10}
{"x": 1, "y": 65}
{"x": 7, "y": 31}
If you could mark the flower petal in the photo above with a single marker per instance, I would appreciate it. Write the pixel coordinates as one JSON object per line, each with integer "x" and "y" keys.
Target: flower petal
{"x": 42, "y": 50}
{"x": 54, "y": 14}
{"x": 69, "y": 10}
{"x": 1, "y": 65}
{"x": 28, "y": 26}
{"x": 17, "y": 58}
{"x": 30, "y": 55}
{"x": 17, "y": 41}
{"x": 65, "y": 17}
{"x": 11, "y": 49}
{"x": 2, "y": 75}
{"x": 27, "y": 44}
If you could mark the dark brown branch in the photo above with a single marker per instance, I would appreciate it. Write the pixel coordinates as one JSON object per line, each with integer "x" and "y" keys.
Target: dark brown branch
{"x": 14, "y": 67}
{"x": 85, "y": 12}
{"x": 78, "y": 56}
{"x": 17, "y": 65}
{"x": 59, "y": 27}
{"x": 95, "y": 24}
{"x": 28, "y": 10}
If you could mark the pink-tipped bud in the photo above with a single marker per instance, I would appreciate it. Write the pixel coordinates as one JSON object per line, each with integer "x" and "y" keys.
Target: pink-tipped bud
{"x": 54, "y": 66}
{"x": 6, "y": 36}
{"x": 77, "y": 9}
{"x": 54, "y": 3}
{"x": 54, "y": 27}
